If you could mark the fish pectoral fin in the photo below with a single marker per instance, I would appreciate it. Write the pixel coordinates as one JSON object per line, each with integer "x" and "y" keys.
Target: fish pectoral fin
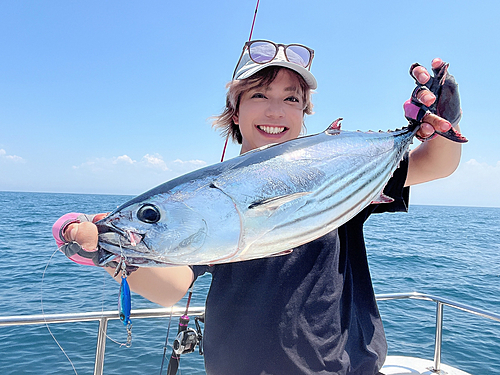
{"x": 272, "y": 204}
{"x": 382, "y": 198}
{"x": 284, "y": 252}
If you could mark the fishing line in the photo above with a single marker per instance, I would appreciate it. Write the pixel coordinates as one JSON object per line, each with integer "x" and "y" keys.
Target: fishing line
{"x": 43, "y": 313}
{"x": 165, "y": 347}
{"x": 249, "y": 39}
{"x": 47, "y": 324}
{"x": 124, "y": 298}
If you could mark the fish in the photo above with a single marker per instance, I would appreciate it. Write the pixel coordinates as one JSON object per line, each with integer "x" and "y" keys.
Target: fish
{"x": 262, "y": 203}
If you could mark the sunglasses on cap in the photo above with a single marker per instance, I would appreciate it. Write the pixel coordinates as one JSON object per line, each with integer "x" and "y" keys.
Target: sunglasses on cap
{"x": 265, "y": 51}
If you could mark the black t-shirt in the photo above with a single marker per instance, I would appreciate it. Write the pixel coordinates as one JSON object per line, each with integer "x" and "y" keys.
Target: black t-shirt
{"x": 310, "y": 312}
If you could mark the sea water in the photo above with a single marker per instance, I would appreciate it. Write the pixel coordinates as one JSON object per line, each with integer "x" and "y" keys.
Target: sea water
{"x": 452, "y": 252}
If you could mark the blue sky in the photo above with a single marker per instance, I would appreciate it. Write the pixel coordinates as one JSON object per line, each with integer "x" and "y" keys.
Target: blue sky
{"x": 116, "y": 97}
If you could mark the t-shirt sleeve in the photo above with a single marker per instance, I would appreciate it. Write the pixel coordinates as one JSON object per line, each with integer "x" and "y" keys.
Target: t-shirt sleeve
{"x": 199, "y": 270}
{"x": 395, "y": 189}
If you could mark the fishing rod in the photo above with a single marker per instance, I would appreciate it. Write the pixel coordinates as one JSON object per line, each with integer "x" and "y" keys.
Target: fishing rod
{"x": 187, "y": 339}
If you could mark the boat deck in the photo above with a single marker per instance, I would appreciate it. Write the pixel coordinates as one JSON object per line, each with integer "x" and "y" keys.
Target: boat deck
{"x": 400, "y": 365}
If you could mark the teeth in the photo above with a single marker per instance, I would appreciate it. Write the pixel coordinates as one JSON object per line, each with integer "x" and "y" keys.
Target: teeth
{"x": 272, "y": 129}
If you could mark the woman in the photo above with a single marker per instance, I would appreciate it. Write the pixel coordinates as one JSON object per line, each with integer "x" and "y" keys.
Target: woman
{"x": 312, "y": 311}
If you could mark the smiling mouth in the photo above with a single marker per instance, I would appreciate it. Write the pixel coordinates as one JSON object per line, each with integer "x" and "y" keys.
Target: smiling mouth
{"x": 273, "y": 130}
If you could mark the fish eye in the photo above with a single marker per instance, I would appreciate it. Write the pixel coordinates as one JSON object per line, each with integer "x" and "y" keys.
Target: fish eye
{"x": 148, "y": 214}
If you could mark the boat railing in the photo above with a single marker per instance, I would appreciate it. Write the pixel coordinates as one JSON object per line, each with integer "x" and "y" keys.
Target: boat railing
{"x": 440, "y": 303}
{"x": 104, "y": 316}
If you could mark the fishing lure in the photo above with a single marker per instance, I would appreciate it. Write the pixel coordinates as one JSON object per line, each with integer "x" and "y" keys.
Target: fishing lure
{"x": 125, "y": 301}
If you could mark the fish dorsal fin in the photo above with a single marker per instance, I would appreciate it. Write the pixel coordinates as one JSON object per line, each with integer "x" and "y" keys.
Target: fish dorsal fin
{"x": 271, "y": 204}
{"x": 334, "y": 127}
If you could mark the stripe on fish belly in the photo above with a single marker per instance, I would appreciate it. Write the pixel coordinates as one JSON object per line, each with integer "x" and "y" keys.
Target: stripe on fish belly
{"x": 259, "y": 204}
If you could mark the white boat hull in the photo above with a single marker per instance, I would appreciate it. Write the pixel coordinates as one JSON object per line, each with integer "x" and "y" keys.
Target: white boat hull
{"x": 400, "y": 365}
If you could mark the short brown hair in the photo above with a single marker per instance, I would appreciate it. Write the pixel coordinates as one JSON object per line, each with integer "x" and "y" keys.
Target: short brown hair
{"x": 237, "y": 88}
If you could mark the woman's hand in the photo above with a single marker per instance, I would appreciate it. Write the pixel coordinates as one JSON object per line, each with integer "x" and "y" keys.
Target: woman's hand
{"x": 432, "y": 122}
{"x": 436, "y": 104}
{"x": 76, "y": 236}
{"x": 84, "y": 233}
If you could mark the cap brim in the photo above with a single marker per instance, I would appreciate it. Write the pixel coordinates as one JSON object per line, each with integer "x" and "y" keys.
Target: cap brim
{"x": 249, "y": 70}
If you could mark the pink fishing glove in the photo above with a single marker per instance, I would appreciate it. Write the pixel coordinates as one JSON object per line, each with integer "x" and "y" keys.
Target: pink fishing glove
{"x": 74, "y": 250}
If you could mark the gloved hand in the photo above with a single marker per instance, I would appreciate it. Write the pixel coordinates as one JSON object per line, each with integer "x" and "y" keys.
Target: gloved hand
{"x": 77, "y": 236}
{"x": 435, "y": 99}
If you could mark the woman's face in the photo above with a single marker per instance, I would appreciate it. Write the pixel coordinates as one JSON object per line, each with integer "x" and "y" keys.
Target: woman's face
{"x": 271, "y": 114}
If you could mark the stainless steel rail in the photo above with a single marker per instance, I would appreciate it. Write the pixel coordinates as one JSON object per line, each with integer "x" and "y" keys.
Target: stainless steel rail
{"x": 104, "y": 316}
{"x": 440, "y": 303}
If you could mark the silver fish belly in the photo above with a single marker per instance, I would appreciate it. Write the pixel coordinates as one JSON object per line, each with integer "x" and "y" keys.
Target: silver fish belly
{"x": 258, "y": 204}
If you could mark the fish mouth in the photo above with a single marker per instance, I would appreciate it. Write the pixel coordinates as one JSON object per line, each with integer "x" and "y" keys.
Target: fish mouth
{"x": 121, "y": 242}
{"x": 130, "y": 237}
{"x": 272, "y": 130}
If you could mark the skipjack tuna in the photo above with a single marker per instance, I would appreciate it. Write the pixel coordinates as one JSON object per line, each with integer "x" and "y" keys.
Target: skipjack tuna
{"x": 259, "y": 204}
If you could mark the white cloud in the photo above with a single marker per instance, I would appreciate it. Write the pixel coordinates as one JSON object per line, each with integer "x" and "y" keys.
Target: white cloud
{"x": 182, "y": 165}
{"x": 155, "y": 161}
{"x": 472, "y": 184}
{"x": 11, "y": 158}
{"x": 123, "y": 159}
{"x": 124, "y": 175}
{"x": 148, "y": 161}
{"x": 191, "y": 162}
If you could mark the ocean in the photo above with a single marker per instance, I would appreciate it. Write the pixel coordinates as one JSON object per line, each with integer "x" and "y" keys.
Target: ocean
{"x": 451, "y": 252}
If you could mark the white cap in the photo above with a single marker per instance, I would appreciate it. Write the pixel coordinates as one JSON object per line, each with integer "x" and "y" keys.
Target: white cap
{"x": 247, "y": 67}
